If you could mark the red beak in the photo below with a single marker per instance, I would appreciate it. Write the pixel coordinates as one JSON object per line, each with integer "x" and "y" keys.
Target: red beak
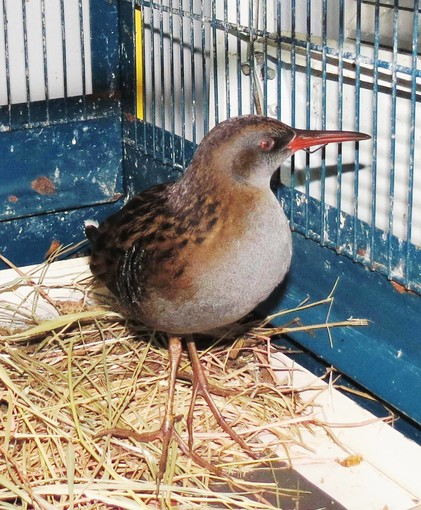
{"x": 308, "y": 138}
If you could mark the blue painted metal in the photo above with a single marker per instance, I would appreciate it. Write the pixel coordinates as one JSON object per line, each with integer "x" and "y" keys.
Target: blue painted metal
{"x": 62, "y": 158}
{"x": 60, "y": 167}
{"x": 351, "y": 226}
{"x": 384, "y": 356}
{"x": 27, "y": 240}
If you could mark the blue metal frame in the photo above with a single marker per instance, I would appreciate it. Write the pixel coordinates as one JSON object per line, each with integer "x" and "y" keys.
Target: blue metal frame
{"x": 73, "y": 143}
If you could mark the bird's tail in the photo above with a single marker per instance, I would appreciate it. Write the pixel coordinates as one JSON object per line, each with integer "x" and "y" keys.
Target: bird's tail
{"x": 91, "y": 230}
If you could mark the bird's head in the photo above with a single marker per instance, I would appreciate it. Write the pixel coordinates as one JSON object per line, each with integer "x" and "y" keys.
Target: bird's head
{"x": 250, "y": 148}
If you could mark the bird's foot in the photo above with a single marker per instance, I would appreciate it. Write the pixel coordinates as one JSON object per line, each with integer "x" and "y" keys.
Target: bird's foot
{"x": 166, "y": 433}
{"x": 213, "y": 388}
{"x": 201, "y": 386}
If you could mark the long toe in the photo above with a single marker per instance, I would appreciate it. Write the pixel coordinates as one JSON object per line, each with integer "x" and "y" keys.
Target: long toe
{"x": 200, "y": 386}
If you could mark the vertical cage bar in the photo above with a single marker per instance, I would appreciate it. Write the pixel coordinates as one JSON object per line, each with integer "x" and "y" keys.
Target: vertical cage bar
{"x": 340, "y": 120}
{"x": 239, "y": 75}
{"x": 26, "y": 55}
{"x": 45, "y": 60}
{"x": 375, "y": 134}
{"x": 323, "y": 152}
{"x": 278, "y": 12}
{"x": 357, "y": 127}
{"x": 226, "y": 63}
{"x": 215, "y": 63}
{"x": 414, "y": 62}
{"x": 162, "y": 84}
{"x": 193, "y": 78}
{"x": 64, "y": 54}
{"x": 153, "y": 81}
{"x": 265, "y": 57}
{"x": 7, "y": 63}
{"x": 172, "y": 85}
{"x": 308, "y": 111}
{"x": 392, "y": 137}
{"x": 293, "y": 101}
{"x": 182, "y": 85}
{"x": 205, "y": 92}
{"x": 83, "y": 55}
{"x": 140, "y": 75}
{"x": 251, "y": 59}
{"x": 138, "y": 102}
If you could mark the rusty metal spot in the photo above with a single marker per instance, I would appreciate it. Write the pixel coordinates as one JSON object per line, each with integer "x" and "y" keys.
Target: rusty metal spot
{"x": 13, "y": 199}
{"x": 116, "y": 197}
{"x": 54, "y": 246}
{"x": 130, "y": 117}
{"x": 400, "y": 288}
{"x": 43, "y": 185}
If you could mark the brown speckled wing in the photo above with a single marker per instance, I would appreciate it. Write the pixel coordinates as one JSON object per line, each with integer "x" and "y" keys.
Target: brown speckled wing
{"x": 124, "y": 244}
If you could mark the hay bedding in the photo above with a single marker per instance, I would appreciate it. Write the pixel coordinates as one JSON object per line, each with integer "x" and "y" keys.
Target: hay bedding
{"x": 71, "y": 367}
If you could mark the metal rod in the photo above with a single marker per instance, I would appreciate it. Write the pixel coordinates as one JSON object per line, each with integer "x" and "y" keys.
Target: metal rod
{"x": 324, "y": 100}
{"x": 26, "y": 56}
{"x": 45, "y": 61}
{"x": 293, "y": 102}
{"x": 340, "y": 121}
{"x": 7, "y": 63}
{"x": 64, "y": 54}
{"x": 182, "y": 87}
{"x": 308, "y": 112}
{"x": 172, "y": 86}
{"x": 205, "y": 61}
{"x": 355, "y": 223}
{"x": 415, "y": 38}
{"x": 215, "y": 63}
{"x": 227, "y": 63}
{"x": 239, "y": 60}
{"x": 162, "y": 75}
{"x": 193, "y": 78}
{"x": 392, "y": 139}
{"x": 83, "y": 55}
{"x": 375, "y": 133}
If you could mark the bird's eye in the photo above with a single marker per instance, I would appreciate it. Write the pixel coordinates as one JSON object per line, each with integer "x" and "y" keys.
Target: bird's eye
{"x": 267, "y": 144}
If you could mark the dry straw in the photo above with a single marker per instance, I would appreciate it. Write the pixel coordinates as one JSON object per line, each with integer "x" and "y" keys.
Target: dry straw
{"x": 66, "y": 378}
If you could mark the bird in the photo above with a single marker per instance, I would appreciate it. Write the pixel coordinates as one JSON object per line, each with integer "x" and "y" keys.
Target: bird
{"x": 191, "y": 256}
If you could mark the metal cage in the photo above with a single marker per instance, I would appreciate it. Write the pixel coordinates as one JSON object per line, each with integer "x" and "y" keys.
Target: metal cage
{"x": 122, "y": 106}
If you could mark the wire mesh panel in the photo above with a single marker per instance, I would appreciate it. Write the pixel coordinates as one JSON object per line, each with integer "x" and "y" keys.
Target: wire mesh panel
{"x": 60, "y": 124}
{"x": 45, "y": 50}
{"x": 321, "y": 64}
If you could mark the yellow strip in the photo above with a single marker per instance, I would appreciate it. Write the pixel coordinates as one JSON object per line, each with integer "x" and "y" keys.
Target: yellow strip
{"x": 140, "y": 102}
